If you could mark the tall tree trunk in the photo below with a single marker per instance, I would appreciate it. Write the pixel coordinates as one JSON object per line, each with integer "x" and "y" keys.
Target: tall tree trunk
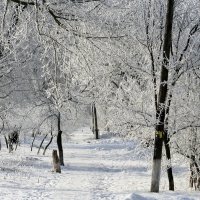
{"x": 159, "y": 129}
{"x": 59, "y": 141}
{"x": 95, "y": 122}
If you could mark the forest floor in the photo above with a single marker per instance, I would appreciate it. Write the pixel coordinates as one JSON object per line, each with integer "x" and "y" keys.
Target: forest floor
{"x": 105, "y": 169}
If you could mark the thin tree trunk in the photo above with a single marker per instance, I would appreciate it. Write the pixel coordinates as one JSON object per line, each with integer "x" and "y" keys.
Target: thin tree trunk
{"x": 169, "y": 167}
{"x": 59, "y": 141}
{"x": 41, "y": 143}
{"x": 10, "y": 145}
{"x": 159, "y": 129}
{"x": 16, "y": 145}
{"x": 95, "y": 121}
{"x": 6, "y": 141}
{"x": 167, "y": 147}
{"x": 48, "y": 143}
{"x": 34, "y": 136}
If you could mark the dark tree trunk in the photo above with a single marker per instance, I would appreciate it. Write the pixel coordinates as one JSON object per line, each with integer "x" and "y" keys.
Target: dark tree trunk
{"x": 41, "y": 143}
{"x": 95, "y": 122}
{"x": 10, "y": 144}
{"x": 6, "y": 140}
{"x": 48, "y": 143}
{"x": 16, "y": 145}
{"x": 34, "y": 136}
{"x": 169, "y": 167}
{"x": 59, "y": 141}
{"x": 167, "y": 147}
{"x": 159, "y": 129}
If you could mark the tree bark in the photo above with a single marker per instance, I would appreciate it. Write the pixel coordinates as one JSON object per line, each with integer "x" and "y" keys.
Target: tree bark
{"x": 95, "y": 122}
{"x": 169, "y": 167}
{"x": 6, "y": 140}
{"x": 10, "y": 145}
{"x": 59, "y": 141}
{"x": 167, "y": 147}
{"x": 56, "y": 162}
{"x": 159, "y": 129}
{"x": 34, "y": 136}
{"x": 195, "y": 174}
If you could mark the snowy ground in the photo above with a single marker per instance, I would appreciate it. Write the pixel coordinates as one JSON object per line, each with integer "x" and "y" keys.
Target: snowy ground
{"x": 110, "y": 168}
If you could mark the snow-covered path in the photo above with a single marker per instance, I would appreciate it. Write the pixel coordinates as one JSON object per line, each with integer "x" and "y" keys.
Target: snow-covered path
{"x": 109, "y": 168}
{"x": 99, "y": 170}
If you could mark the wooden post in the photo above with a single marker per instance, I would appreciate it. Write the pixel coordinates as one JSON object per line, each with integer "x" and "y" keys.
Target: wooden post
{"x": 56, "y": 162}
